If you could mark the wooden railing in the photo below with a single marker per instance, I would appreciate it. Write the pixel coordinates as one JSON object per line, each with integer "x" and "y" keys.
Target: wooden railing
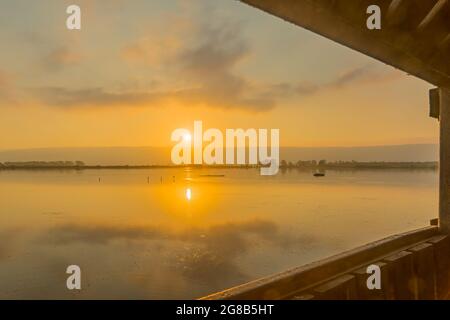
{"x": 413, "y": 265}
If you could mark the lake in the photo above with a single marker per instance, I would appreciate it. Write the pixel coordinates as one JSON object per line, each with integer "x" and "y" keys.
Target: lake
{"x": 182, "y": 233}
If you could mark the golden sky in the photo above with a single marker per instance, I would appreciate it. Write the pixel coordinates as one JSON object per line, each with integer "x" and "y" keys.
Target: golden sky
{"x": 140, "y": 69}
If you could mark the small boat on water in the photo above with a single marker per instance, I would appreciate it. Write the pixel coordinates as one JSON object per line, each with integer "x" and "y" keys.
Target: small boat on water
{"x": 319, "y": 174}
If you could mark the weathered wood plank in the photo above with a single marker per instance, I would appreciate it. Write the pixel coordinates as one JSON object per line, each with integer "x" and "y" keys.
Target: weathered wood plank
{"x": 424, "y": 271}
{"x": 441, "y": 259}
{"x": 401, "y": 275}
{"x": 340, "y": 288}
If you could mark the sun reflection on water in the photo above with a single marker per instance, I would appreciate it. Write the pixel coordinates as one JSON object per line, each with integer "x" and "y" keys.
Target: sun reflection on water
{"x": 188, "y": 194}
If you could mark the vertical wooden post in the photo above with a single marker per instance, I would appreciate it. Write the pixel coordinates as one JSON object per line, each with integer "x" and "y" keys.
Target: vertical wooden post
{"x": 444, "y": 160}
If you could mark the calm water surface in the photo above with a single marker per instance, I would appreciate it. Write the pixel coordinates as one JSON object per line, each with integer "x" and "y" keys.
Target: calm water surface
{"x": 175, "y": 233}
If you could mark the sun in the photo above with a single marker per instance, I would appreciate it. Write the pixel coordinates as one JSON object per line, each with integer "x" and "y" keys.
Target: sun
{"x": 187, "y": 137}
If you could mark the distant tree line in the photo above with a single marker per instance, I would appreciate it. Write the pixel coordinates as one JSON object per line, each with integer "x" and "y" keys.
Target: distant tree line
{"x": 42, "y": 164}
{"x": 356, "y": 164}
{"x": 302, "y": 164}
{"x": 314, "y": 164}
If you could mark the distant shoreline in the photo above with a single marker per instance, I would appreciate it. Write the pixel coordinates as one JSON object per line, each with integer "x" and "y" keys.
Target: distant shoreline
{"x": 144, "y": 156}
{"x": 327, "y": 166}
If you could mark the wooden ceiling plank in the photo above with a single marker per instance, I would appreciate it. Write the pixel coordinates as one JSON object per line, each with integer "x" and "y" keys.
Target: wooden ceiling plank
{"x": 387, "y": 47}
{"x": 393, "y": 8}
{"x": 438, "y": 7}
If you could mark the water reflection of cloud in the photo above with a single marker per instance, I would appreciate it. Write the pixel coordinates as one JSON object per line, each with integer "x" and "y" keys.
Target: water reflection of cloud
{"x": 70, "y": 233}
{"x": 225, "y": 236}
{"x": 204, "y": 254}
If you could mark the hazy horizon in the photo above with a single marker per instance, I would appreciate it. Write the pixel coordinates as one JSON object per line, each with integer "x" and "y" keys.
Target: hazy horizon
{"x": 161, "y": 155}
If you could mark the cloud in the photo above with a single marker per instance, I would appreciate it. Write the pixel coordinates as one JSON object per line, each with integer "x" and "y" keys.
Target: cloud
{"x": 95, "y": 97}
{"x": 353, "y": 77}
{"x": 211, "y": 66}
{"x": 202, "y": 62}
{"x": 8, "y": 90}
{"x": 215, "y": 87}
{"x": 4, "y": 79}
{"x": 361, "y": 75}
{"x": 59, "y": 58}
{"x": 350, "y": 77}
{"x": 206, "y": 65}
{"x": 212, "y": 63}
{"x": 153, "y": 50}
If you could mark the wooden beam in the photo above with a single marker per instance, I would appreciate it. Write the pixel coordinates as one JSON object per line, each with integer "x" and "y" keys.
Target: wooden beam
{"x": 444, "y": 158}
{"x": 393, "y": 8}
{"x": 434, "y": 103}
{"x": 399, "y": 49}
{"x": 432, "y": 14}
{"x": 445, "y": 41}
